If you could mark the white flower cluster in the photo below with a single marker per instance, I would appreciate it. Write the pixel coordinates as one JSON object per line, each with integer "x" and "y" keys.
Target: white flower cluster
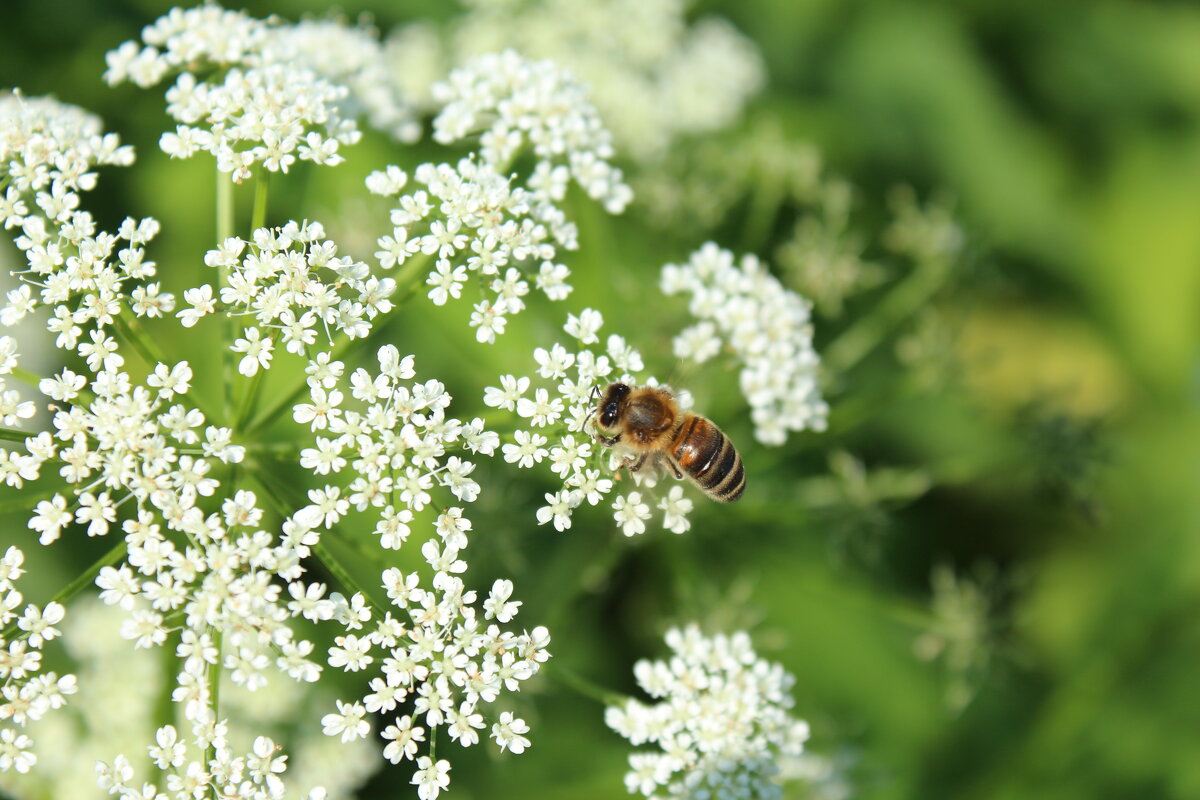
{"x": 117, "y": 682}
{"x": 654, "y": 76}
{"x": 440, "y": 656}
{"x": 351, "y": 56}
{"x": 117, "y": 442}
{"x": 257, "y": 775}
{"x": 767, "y": 327}
{"x": 512, "y": 102}
{"x": 559, "y": 416}
{"x": 120, "y": 442}
{"x": 292, "y": 281}
{"x": 47, "y": 150}
{"x": 27, "y": 695}
{"x": 474, "y": 217}
{"x": 264, "y": 103}
{"x": 397, "y": 448}
{"x": 722, "y": 721}
{"x": 474, "y": 221}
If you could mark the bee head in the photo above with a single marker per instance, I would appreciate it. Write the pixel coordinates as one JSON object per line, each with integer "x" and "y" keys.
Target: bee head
{"x": 610, "y": 404}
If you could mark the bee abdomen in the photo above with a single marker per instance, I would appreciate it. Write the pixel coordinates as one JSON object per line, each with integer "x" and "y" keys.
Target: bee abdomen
{"x": 707, "y": 456}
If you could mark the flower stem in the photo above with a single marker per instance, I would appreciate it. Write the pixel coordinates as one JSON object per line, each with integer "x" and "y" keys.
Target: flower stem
{"x": 73, "y": 588}
{"x": 335, "y": 567}
{"x": 251, "y": 399}
{"x": 573, "y": 680}
{"x": 258, "y": 217}
{"x": 164, "y": 707}
{"x": 25, "y": 376}
{"x": 11, "y": 435}
{"x": 136, "y": 335}
{"x": 275, "y": 490}
{"x": 378, "y": 330}
{"x": 214, "y": 699}
{"x": 764, "y": 209}
{"x": 224, "y": 231}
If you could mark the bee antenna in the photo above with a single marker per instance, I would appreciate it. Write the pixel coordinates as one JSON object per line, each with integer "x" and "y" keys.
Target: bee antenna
{"x": 592, "y": 413}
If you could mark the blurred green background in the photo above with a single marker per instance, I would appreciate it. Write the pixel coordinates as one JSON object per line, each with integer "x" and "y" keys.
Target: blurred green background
{"x": 986, "y": 576}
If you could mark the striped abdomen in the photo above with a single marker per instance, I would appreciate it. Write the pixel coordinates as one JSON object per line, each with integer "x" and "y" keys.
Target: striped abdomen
{"x": 709, "y": 459}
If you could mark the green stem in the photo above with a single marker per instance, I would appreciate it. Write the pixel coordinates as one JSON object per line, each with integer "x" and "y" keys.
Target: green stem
{"x": 905, "y": 299}
{"x": 164, "y": 708}
{"x": 214, "y": 700}
{"x": 343, "y": 575}
{"x": 8, "y": 434}
{"x": 224, "y": 207}
{"x": 273, "y": 490}
{"x": 251, "y": 399}
{"x": 556, "y": 671}
{"x": 25, "y": 376}
{"x": 224, "y": 231}
{"x": 378, "y": 331}
{"x": 135, "y": 335}
{"x": 74, "y": 587}
{"x": 26, "y": 501}
{"x": 258, "y": 218}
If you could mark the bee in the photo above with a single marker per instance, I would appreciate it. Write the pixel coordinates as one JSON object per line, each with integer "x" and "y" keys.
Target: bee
{"x": 646, "y": 422}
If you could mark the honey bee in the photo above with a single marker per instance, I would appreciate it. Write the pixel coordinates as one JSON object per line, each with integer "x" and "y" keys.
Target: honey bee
{"x": 646, "y": 422}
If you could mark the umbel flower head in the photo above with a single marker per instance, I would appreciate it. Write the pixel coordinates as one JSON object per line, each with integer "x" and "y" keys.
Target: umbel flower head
{"x": 258, "y": 92}
{"x": 742, "y": 307}
{"x": 656, "y": 74}
{"x": 478, "y": 220}
{"x": 28, "y": 693}
{"x": 722, "y": 722}
{"x": 555, "y": 406}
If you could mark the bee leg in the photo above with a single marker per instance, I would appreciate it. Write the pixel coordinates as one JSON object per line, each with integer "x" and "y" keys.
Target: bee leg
{"x": 675, "y": 469}
{"x": 608, "y": 441}
{"x": 636, "y": 465}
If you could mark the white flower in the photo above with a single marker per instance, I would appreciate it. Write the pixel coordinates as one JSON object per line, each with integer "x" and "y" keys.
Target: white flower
{"x": 559, "y": 509}
{"x": 676, "y": 508}
{"x": 585, "y": 326}
{"x": 404, "y": 740}
{"x": 16, "y": 751}
{"x": 722, "y": 722}
{"x": 507, "y": 733}
{"x": 431, "y": 777}
{"x": 348, "y": 722}
{"x": 49, "y": 519}
{"x": 271, "y": 92}
{"x": 498, "y": 606}
{"x": 257, "y": 350}
{"x": 631, "y": 513}
{"x": 510, "y": 391}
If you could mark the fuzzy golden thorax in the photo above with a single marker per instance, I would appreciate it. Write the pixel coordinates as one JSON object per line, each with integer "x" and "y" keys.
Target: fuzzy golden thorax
{"x": 641, "y": 418}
